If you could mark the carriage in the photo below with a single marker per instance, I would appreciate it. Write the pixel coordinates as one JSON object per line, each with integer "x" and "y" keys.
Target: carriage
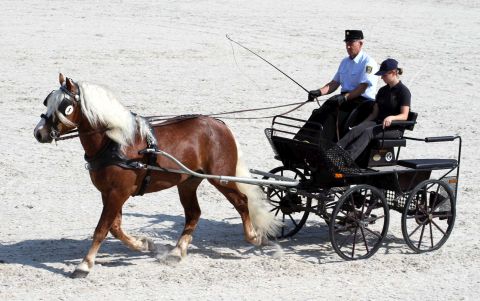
{"x": 354, "y": 197}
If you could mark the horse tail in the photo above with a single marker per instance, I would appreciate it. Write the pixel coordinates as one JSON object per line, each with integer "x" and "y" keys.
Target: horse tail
{"x": 262, "y": 219}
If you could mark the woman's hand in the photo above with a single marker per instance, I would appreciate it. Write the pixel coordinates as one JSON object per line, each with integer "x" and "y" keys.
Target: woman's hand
{"x": 388, "y": 121}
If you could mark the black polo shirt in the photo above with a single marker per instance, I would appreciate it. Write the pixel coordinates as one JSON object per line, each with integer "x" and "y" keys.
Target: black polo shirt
{"x": 390, "y": 100}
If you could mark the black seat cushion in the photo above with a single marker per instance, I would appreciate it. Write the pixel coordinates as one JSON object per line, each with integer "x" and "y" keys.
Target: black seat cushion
{"x": 429, "y": 163}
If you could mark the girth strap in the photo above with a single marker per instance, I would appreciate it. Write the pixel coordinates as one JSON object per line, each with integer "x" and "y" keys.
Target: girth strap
{"x": 151, "y": 159}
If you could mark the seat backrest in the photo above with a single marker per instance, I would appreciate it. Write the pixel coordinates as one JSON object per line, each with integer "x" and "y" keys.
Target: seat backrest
{"x": 412, "y": 116}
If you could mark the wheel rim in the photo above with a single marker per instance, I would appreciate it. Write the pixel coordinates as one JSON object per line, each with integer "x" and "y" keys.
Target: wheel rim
{"x": 289, "y": 207}
{"x": 429, "y": 216}
{"x": 359, "y": 223}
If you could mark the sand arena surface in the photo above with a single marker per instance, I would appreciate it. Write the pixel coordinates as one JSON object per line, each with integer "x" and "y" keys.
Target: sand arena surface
{"x": 172, "y": 57}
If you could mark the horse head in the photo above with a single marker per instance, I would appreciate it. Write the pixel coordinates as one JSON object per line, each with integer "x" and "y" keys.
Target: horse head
{"x": 63, "y": 111}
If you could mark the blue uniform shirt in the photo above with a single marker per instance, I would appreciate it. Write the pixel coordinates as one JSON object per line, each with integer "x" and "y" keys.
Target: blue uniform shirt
{"x": 360, "y": 70}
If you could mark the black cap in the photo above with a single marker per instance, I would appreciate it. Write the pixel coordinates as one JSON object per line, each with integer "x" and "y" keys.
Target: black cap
{"x": 352, "y": 35}
{"x": 387, "y": 65}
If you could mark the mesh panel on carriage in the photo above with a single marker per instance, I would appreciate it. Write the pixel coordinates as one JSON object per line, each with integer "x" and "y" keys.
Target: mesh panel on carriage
{"x": 336, "y": 158}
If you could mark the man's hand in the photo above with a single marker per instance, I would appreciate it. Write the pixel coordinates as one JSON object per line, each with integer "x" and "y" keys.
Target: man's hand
{"x": 387, "y": 121}
{"x": 314, "y": 94}
{"x": 338, "y": 99}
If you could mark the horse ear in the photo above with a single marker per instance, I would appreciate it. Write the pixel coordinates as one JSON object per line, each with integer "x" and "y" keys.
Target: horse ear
{"x": 61, "y": 79}
{"x": 71, "y": 86}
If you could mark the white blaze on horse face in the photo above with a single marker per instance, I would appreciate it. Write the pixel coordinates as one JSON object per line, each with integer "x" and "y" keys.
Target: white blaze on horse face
{"x": 40, "y": 128}
{"x": 40, "y": 125}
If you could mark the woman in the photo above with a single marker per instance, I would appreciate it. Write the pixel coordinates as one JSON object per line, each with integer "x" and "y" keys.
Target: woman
{"x": 391, "y": 103}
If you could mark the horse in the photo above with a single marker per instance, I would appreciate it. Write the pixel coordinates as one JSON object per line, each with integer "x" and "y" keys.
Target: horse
{"x": 201, "y": 143}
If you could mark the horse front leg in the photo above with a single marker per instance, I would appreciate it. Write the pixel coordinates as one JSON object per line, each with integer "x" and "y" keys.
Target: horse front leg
{"x": 112, "y": 205}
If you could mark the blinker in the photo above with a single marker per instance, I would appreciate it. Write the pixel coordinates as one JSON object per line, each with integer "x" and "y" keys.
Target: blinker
{"x": 66, "y": 107}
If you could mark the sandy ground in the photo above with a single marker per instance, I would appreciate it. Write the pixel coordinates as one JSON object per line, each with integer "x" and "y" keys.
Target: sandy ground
{"x": 172, "y": 57}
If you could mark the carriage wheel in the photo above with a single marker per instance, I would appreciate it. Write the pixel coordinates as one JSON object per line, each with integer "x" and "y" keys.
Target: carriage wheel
{"x": 359, "y": 222}
{"x": 289, "y": 206}
{"x": 429, "y": 216}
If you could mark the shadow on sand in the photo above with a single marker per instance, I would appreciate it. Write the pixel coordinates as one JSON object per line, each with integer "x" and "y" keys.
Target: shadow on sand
{"x": 210, "y": 238}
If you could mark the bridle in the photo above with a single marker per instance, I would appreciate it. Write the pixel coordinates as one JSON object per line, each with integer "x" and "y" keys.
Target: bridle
{"x": 66, "y": 108}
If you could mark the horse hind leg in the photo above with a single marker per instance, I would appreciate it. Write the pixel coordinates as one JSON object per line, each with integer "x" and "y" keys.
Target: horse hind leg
{"x": 188, "y": 197}
{"x": 240, "y": 202}
{"x": 141, "y": 244}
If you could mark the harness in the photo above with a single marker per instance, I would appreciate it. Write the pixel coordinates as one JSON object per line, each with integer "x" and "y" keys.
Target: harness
{"x": 111, "y": 154}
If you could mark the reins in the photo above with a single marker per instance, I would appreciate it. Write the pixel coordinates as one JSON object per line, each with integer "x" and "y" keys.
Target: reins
{"x": 157, "y": 118}
{"x": 297, "y": 104}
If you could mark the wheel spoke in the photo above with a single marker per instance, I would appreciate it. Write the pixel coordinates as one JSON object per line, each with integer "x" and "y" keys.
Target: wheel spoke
{"x": 340, "y": 246}
{"x": 438, "y": 227}
{"x": 364, "y": 239}
{"x": 278, "y": 210}
{"x": 418, "y": 227}
{"x": 275, "y": 194}
{"x": 363, "y": 204}
{"x": 374, "y": 233}
{"x": 354, "y": 241}
{"x": 293, "y": 221}
{"x": 377, "y": 218}
{"x": 446, "y": 215}
{"x": 353, "y": 202}
{"x": 431, "y": 234}
{"x": 421, "y": 236}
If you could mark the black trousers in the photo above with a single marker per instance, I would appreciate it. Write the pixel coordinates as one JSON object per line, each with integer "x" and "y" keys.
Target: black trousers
{"x": 324, "y": 120}
{"x": 358, "y": 138}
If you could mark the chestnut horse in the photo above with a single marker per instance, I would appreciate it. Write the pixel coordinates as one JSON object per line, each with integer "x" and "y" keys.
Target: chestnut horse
{"x": 203, "y": 144}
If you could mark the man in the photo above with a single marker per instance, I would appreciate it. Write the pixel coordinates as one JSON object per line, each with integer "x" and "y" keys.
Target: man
{"x": 356, "y": 77}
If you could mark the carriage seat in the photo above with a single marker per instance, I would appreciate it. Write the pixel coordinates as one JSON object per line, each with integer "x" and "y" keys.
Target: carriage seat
{"x": 384, "y": 151}
{"x": 397, "y": 125}
{"x": 429, "y": 163}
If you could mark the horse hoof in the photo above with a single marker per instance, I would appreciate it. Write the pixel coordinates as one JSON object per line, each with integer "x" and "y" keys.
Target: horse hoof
{"x": 170, "y": 259}
{"x": 256, "y": 241}
{"x": 147, "y": 244}
{"x": 79, "y": 274}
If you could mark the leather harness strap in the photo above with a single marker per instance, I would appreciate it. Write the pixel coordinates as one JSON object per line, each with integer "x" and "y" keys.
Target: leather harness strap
{"x": 151, "y": 160}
